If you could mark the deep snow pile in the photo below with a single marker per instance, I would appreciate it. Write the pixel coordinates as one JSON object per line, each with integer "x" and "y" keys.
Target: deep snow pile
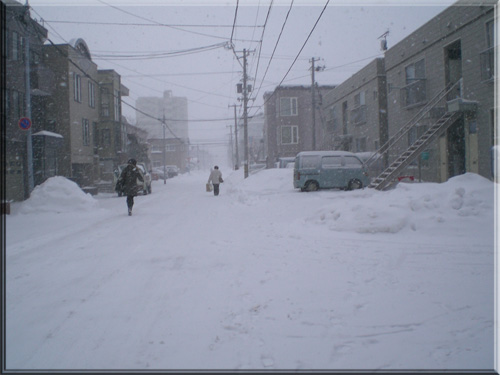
{"x": 418, "y": 207}
{"x": 58, "y": 194}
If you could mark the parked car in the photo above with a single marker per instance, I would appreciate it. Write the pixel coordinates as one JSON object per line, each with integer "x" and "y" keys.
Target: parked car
{"x": 285, "y": 162}
{"x": 172, "y": 170}
{"x": 158, "y": 171}
{"x": 144, "y": 187}
{"x": 316, "y": 170}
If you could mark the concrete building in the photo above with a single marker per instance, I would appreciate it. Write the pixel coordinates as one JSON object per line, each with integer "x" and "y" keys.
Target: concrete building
{"x": 73, "y": 109}
{"x": 173, "y": 137}
{"x": 457, "y": 47}
{"x": 355, "y": 112}
{"x": 289, "y": 125}
{"x": 20, "y": 29}
{"x": 111, "y": 132}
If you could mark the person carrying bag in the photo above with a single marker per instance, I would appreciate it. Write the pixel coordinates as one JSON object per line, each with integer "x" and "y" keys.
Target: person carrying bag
{"x": 215, "y": 178}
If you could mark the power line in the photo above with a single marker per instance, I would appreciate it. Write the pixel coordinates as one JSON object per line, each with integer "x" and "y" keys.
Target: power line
{"x": 300, "y": 51}
{"x": 234, "y": 21}
{"x": 262, "y": 38}
{"x": 161, "y": 24}
{"x": 275, "y": 46}
{"x": 160, "y": 55}
{"x": 149, "y": 24}
{"x": 177, "y": 74}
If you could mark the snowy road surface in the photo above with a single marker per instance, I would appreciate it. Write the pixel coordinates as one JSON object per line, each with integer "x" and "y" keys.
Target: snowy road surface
{"x": 261, "y": 277}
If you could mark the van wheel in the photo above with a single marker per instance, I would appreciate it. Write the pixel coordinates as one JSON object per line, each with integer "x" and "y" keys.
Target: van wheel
{"x": 312, "y": 186}
{"x": 354, "y": 184}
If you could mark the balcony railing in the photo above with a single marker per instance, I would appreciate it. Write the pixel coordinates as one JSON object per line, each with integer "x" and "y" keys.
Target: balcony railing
{"x": 414, "y": 93}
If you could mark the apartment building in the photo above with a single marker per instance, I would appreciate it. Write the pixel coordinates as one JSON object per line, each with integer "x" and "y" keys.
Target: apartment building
{"x": 445, "y": 68}
{"x": 290, "y": 126}
{"x": 20, "y": 32}
{"x": 73, "y": 109}
{"x": 355, "y": 111}
{"x": 110, "y": 135}
{"x": 170, "y": 140}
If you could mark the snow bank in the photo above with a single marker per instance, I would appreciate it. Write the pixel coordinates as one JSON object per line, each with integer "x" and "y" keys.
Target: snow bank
{"x": 408, "y": 206}
{"x": 259, "y": 185}
{"x": 58, "y": 194}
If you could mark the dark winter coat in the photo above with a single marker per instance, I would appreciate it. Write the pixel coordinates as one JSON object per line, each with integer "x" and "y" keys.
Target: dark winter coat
{"x": 128, "y": 180}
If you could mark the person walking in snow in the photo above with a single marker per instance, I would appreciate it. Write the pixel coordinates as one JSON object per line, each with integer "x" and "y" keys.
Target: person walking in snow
{"x": 215, "y": 178}
{"x": 128, "y": 182}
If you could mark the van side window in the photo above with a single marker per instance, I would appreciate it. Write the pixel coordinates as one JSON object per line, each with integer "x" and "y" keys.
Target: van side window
{"x": 331, "y": 162}
{"x": 352, "y": 162}
{"x": 310, "y": 161}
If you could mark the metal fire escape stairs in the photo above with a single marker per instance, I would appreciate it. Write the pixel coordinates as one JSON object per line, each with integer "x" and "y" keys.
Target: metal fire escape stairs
{"x": 390, "y": 174}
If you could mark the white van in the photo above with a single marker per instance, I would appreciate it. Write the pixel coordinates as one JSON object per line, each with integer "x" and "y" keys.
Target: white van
{"x": 316, "y": 170}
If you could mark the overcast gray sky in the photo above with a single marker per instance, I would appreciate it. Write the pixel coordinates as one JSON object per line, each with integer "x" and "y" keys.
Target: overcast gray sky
{"x": 184, "y": 48}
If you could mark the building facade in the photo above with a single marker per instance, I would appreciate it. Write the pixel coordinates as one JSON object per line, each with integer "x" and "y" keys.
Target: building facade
{"x": 166, "y": 121}
{"x": 24, "y": 97}
{"x": 448, "y": 61}
{"x": 110, "y": 135}
{"x": 73, "y": 109}
{"x": 355, "y": 112}
{"x": 289, "y": 123}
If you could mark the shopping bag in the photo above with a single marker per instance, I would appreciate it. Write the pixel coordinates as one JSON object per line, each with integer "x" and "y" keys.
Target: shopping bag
{"x": 209, "y": 187}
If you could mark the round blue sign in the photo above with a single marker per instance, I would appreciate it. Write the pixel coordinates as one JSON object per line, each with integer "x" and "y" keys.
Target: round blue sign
{"x": 25, "y": 123}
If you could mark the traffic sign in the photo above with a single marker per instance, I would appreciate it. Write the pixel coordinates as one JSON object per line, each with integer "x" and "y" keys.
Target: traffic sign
{"x": 24, "y": 123}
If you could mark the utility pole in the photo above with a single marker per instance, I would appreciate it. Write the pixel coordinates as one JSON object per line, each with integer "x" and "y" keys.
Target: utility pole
{"x": 231, "y": 142}
{"x": 245, "y": 110}
{"x": 29, "y": 146}
{"x": 245, "y": 89}
{"x": 237, "y": 165}
{"x": 313, "y": 100}
{"x": 164, "y": 125}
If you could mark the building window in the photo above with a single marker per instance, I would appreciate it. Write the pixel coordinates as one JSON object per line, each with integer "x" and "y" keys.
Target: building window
{"x": 288, "y": 107}
{"x": 414, "y": 92}
{"x": 488, "y": 57}
{"x": 361, "y": 144}
{"x": 358, "y": 114}
{"x": 105, "y": 110}
{"x": 289, "y": 135}
{"x": 77, "y": 85}
{"x": 17, "y": 104}
{"x": 91, "y": 94}
{"x": 95, "y": 134}
{"x": 332, "y": 120}
{"x": 116, "y": 101}
{"x": 86, "y": 132}
{"x": 15, "y": 46}
{"x": 22, "y": 52}
{"x": 106, "y": 137}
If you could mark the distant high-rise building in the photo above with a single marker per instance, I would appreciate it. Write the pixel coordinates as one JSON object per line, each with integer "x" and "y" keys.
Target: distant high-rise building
{"x": 149, "y": 115}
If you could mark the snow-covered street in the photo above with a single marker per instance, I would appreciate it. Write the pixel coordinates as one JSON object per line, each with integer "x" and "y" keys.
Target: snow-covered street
{"x": 261, "y": 277}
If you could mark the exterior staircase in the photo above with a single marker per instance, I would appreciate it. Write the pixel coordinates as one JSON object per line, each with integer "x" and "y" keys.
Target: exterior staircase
{"x": 390, "y": 174}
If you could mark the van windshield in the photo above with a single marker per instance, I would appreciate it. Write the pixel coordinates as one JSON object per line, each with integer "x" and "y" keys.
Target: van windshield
{"x": 310, "y": 161}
